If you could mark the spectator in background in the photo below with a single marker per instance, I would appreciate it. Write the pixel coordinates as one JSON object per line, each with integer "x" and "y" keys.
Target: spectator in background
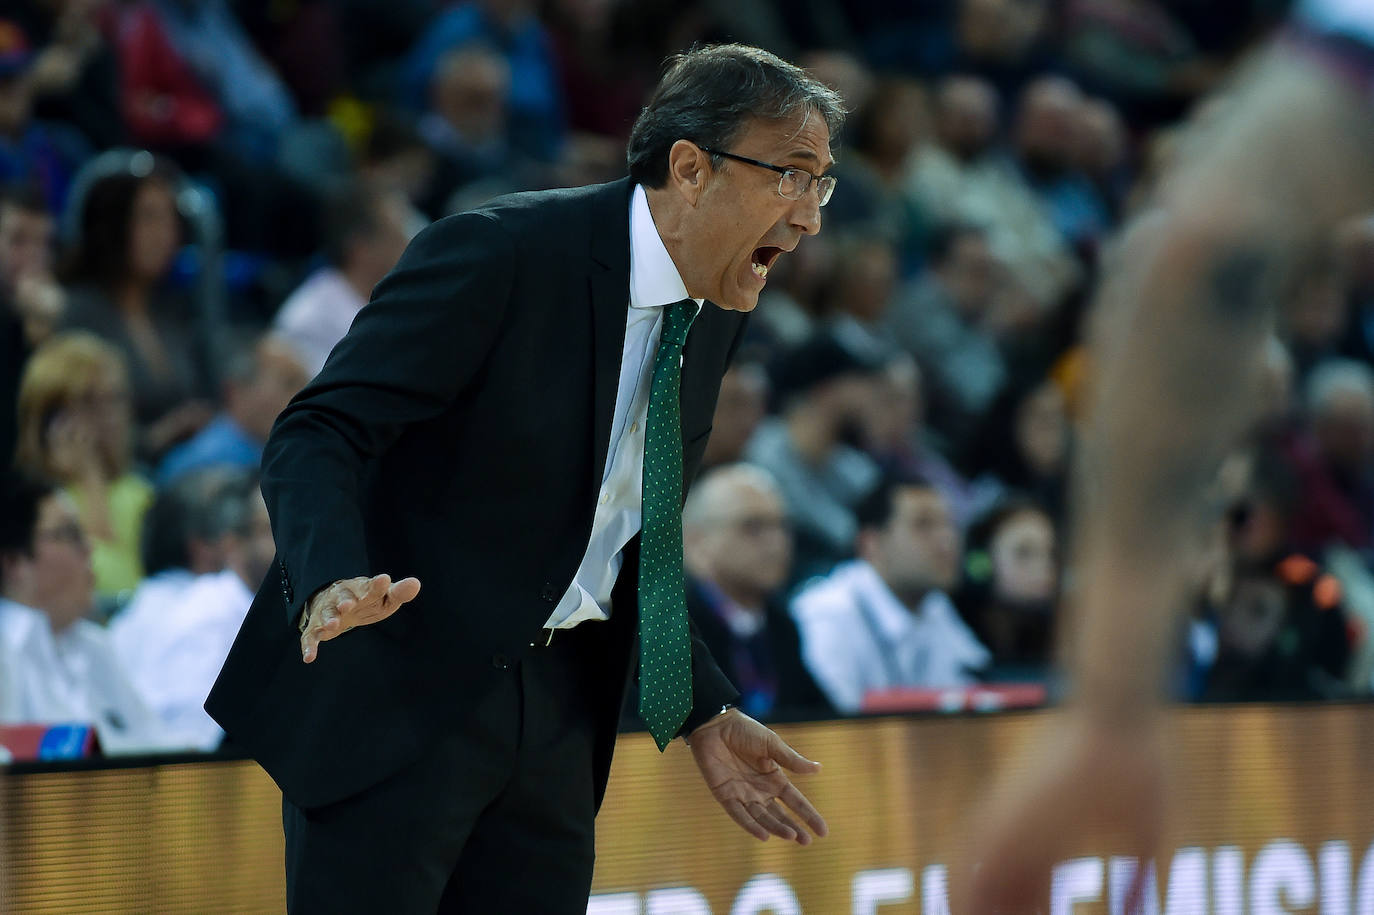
{"x": 62, "y": 665}
{"x": 130, "y": 232}
{"x": 1316, "y": 315}
{"x": 31, "y": 302}
{"x": 738, "y": 551}
{"x": 1355, "y": 244}
{"x": 943, "y": 319}
{"x": 75, "y": 428}
{"x": 179, "y": 658}
{"x": 964, "y": 178}
{"x": 183, "y": 536}
{"x": 535, "y": 103}
{"x": 885, "y": 136}
{"x": 740, "y": 407}
{"x": 467, "y": 128}
{"x": 895, "y": 435}
{"x": 1024, "y": 444}
{"x": 858, "y": 293}
{"x": 256, "y": 105}
{"x": 1334, "y": 462}
{"x": 1011, "y": 582}
{"x": 822, "y": 389}
{"x": 44, "y": 154}
{"x": 75, "y": 75}
{"x": 259, "y": 381}
{"x": 366, "y": 231}
{"x": 1048, "y": 130}
{"x": 1101, "y": 153}
{"x": 790, "y": 308}
{"x": 886, "y": 620}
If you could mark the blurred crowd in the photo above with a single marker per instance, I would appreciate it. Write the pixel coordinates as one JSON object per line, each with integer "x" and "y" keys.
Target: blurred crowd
{"x": 197, "y": 197}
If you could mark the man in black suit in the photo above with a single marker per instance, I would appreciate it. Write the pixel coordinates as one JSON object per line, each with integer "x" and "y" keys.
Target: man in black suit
{"x": 738, "y": 555}
{"x": 504, "y": 423}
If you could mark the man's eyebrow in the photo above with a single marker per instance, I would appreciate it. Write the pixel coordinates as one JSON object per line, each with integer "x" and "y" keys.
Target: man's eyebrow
{"x": 804, "y": 153}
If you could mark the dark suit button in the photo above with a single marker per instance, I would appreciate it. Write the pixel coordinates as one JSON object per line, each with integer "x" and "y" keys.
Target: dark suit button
{"x": 549, "y": 592}
{"x": 500, "y": 662}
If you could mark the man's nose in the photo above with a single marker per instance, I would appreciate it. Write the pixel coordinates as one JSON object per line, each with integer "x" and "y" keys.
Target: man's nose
{"x": 806, "y": 213}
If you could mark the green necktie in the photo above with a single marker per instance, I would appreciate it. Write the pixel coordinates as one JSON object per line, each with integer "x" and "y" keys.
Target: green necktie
{"x": 665, "y": 651}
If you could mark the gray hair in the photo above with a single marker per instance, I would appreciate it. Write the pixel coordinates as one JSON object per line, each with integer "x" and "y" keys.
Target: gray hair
{"x": 708, "y": 95}
{"x": 1338, "y": 376}
{"x": 718, "y": 488}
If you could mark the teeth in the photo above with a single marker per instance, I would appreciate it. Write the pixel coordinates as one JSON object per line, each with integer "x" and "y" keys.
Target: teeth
{"x": 761, "y": 271}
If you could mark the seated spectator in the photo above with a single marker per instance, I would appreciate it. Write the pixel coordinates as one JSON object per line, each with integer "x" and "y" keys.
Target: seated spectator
{"x": 31, "y": 302}
{"x": 1334, "y": 461}
{"x": 181, "y": 656}
{"x": 738, "y": 550}
{"x": 886, "y": 620}
{"x": 130, "y": 232}
{"x": 366, "y": 232}
{"x": 467, "y": 127}
{"x": 942, "y": 320}
{"x": 895, "y": 435}
{"x": 259, "y": 381}
{"x": 1024, "y": 445}
{"x": 1048, "y": 128}
{"x": 75, "y": 74}
{"x": 208, "y": 37}
{"x": 858, "y": 294}
{"x": 184, "y": 535}
{"x": 1011, "y": 581}
{"x": 62, "y": 665}
{"x": 44, "y": 154}
{"x": 740, "y": 407}
{"x": 1281, "y": 635}
{"x": 823, "y": 390}
{"x": 75, "y": 428}
{"x": 1102, "y": 153}
{"x": 964, "y": 177}
{"x": 535, "y": 100}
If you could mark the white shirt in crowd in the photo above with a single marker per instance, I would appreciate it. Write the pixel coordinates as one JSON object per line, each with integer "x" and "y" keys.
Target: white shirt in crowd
{"x": 857, "y": 636}
{"x": 174, "y": 651}
{"x": 132, "y": 629}
{"x": 654, "y": 283}
{"x": 315, "y": 317}
{"x": 73, "y": 677}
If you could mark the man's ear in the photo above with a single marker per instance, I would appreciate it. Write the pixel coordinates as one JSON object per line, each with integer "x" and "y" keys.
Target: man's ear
{"x": 688, "y": 170}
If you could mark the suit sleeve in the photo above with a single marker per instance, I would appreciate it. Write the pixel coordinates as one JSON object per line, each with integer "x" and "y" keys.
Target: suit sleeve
{"x": 412, "y": 350}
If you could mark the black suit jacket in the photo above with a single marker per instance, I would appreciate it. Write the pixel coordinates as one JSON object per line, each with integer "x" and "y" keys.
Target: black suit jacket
{"x": 458, "y": 434}
{"x": 798, "y": 694}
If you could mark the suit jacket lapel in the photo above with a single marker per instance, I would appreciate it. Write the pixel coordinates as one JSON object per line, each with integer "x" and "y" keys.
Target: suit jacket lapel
{"x": 609, "y": 286}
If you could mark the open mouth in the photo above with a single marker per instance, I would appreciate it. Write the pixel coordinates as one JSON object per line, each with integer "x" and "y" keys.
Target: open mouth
{"x": 763, "y": 258}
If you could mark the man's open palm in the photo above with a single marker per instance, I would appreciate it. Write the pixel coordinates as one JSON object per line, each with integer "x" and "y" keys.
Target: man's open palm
{"x": 350, "y": 603}
{"x": 742, "y": 762}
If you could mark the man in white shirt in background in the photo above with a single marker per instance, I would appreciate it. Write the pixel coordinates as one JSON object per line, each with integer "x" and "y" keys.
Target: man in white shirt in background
{"x": 885, "y": 619}
{"x": 366, "y": 230}
{"x": 62, "y": 667}
{"x": 185, "y": 535}
{"x": 179, "y": 655}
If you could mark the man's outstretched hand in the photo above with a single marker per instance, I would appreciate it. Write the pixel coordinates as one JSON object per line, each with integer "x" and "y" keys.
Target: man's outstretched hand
{"x": 742, "y": 762}
{"x": 350, "y": 603}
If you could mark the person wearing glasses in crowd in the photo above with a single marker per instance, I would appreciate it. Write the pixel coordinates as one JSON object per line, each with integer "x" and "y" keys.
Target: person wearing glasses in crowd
{"x": 1186, "y": 310}
{"x": 512, "y": 421}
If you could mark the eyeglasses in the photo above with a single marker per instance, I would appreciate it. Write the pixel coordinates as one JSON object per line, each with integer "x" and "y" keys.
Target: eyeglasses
{"x": 793, "y": 183}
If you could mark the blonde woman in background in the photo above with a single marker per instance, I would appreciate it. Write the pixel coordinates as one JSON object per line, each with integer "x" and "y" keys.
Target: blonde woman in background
{"x": 76, "y": 428}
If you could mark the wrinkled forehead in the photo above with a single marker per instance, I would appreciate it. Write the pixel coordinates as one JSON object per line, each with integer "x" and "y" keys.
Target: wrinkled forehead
{"x": 804, "y": 138}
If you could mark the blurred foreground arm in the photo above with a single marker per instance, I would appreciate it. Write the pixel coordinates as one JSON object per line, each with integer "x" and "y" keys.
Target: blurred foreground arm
{"x": 1185, "y": 306}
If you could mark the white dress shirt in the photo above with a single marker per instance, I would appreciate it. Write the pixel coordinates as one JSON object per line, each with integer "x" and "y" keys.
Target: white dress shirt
{"x": 135, "y": 629}
{"x": 315, "y": 317}
{"x": 654, "y": 282}
{"x": 857, "y": 636}
{"x": 178, "y": 653}
{"x": 74, "y": 677}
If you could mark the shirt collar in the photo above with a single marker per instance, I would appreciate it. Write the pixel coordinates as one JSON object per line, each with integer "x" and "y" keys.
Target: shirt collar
{"x": 892, "y": 615}
{"x": 654, "y": 279}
